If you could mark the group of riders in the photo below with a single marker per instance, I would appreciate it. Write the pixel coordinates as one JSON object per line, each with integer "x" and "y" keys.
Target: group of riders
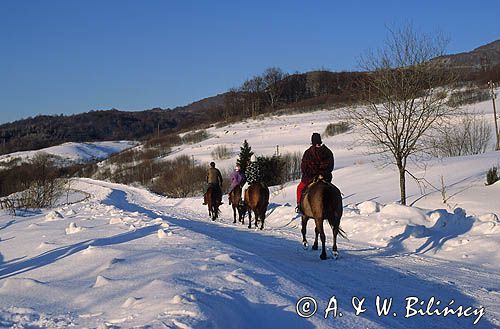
{"x": 316, "y": 161}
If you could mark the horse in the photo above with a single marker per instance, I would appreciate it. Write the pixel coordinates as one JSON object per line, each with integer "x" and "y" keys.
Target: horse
{"x": 235, "y": 200}
{"x": 257, "y": 200}
{"x": 322, "y": 201}
{"x": 213, "y": 197}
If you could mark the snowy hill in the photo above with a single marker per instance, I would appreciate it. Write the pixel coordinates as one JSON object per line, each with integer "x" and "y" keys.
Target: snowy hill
{"x": 75, "y": 152}
{"x": 128, "y": 258}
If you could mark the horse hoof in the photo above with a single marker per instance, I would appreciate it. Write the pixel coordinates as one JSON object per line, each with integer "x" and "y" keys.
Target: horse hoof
{"x": 322, "y": 256}
{"x": 335, "y": 255}
{"x": 305, "y": 245}
{"x": 315, "y": 247}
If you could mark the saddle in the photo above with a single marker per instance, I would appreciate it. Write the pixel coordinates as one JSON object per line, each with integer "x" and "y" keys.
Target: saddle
{"x": 316, "y": 180}
{"x": 217, "y": 188}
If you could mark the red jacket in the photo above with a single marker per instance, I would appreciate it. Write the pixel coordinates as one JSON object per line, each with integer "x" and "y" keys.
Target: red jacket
{"x": 317, "y": 161}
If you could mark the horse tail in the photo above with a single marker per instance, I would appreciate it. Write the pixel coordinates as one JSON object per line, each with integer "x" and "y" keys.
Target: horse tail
{"x": 342, "y": 233}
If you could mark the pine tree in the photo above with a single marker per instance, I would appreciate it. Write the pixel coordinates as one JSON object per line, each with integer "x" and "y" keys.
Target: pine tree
{"x": 244, "y": 157}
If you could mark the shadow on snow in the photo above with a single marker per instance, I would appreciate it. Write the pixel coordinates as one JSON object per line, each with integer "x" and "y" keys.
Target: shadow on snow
{"x": 352, "y": 275}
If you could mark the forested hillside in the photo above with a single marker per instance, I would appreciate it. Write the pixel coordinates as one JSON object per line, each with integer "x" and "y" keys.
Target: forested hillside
{"x": 271, "y": 91}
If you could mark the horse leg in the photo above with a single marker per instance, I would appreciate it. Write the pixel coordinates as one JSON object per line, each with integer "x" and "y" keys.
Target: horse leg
{"x": 263, "y": 217}
{"x": 316, "y": 233}
{"x": 250, "y": 218}
{"x": 319, "y": 225}
{"x": 256, "y": 215}
{"x": 304, "y": 228}
{"x": 234, "y": 215}
{"x": 242, "y": 216}
{"x": 214, "y": 212}
{"x": 335, "y": 231}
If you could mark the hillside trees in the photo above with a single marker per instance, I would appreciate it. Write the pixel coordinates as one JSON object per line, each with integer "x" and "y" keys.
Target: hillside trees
{"x": 272, "y": 79}
{"x": 253, "y": 95}
{"x": 406, "y": 99}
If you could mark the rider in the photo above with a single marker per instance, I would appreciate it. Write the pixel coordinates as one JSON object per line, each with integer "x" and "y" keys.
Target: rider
{"x": 237, "y": 178}
{"x": 253, "y": 173}
{"x": 214, "y": 178}
{"x": 317, "y": 160}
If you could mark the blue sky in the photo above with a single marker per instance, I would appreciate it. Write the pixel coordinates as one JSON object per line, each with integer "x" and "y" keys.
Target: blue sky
{"x": 66, "y": 57}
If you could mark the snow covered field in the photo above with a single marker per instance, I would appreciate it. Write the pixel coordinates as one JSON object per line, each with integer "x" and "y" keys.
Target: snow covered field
{"x": 75, "y": 152}
{"x": 128, "y": 258}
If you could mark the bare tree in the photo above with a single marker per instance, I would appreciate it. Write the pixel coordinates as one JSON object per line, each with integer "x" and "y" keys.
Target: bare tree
{"x": 407, "y": 94}
{"x": 272, "y": 79}
{"x": 232, "y": 103}
{"x": 253, "y": 90}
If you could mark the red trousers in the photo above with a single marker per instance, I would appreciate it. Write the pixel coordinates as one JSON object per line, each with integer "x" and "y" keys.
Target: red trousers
{"x": 300, "y": 188}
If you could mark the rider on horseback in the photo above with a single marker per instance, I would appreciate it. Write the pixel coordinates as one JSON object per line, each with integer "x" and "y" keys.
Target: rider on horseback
{"x": 317, "y": 160}
{"x": 237, "y": 178}
{"x": 214, "y": 178}
{"x": 253, "y": 173}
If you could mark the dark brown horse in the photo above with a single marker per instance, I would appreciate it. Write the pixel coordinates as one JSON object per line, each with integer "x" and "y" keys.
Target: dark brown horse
{"x": 257, "y": 200}
{"x": 235, "y": 199}
{"x": 213, "y": 197}
{"x": 322, "y": 201}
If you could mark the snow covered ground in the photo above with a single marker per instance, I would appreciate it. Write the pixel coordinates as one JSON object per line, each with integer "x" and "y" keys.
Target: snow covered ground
{"x": 75, "y": 152}
{"x": 128, "y": 258}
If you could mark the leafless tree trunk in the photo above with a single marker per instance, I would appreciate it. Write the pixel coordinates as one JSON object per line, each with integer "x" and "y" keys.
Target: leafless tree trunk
{"x": 272, "y": 79}
{"x": 407, "y": 96}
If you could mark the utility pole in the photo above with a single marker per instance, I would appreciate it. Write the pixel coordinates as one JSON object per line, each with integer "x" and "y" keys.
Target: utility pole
{"x": 493, "y": 96}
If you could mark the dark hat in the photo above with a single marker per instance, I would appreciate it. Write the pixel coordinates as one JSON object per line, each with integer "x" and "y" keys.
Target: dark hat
{"x": 212, "y": 164}
{"x": 316, "y": 139}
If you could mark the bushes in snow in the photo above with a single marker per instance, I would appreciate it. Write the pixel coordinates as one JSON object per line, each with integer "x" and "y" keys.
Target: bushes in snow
{"x": 194, "y": 137}
{"x": 35, "y": 184}
{"x": 468, "y": 96}
{"x": 180, "y": 178}
{"x": 336, "y": 128}
{"x": 279, "y": 169}
{"x": 221, "y": 152}
{"x": 492, "y": 176}
{"x": 471, "y": 134}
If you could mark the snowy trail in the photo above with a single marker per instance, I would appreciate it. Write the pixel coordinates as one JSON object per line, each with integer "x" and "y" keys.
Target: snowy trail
{"x": 361, "y": 272}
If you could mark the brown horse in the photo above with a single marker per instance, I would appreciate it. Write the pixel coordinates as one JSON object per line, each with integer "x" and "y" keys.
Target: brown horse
{"x": 235, "y": 200}
{"x": 213, "y": 197}
{"x": 322, "y": 201}
{"x": 257, "y": 199}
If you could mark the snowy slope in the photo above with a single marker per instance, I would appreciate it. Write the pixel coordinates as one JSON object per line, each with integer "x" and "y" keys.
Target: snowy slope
{"x": 75, "y": 152}
{"x": 128, "y": 258}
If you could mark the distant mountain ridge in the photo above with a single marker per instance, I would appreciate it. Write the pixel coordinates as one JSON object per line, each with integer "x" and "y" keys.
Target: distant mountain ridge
{"x": 485, "y": 56}
{"x": 300, "y": 90}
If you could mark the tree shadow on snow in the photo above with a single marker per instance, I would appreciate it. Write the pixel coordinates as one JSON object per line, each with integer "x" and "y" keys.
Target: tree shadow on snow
{"x": 225, "y": 308}
{"x": 448, "y": 226}
{"x": 49, "y": 257}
